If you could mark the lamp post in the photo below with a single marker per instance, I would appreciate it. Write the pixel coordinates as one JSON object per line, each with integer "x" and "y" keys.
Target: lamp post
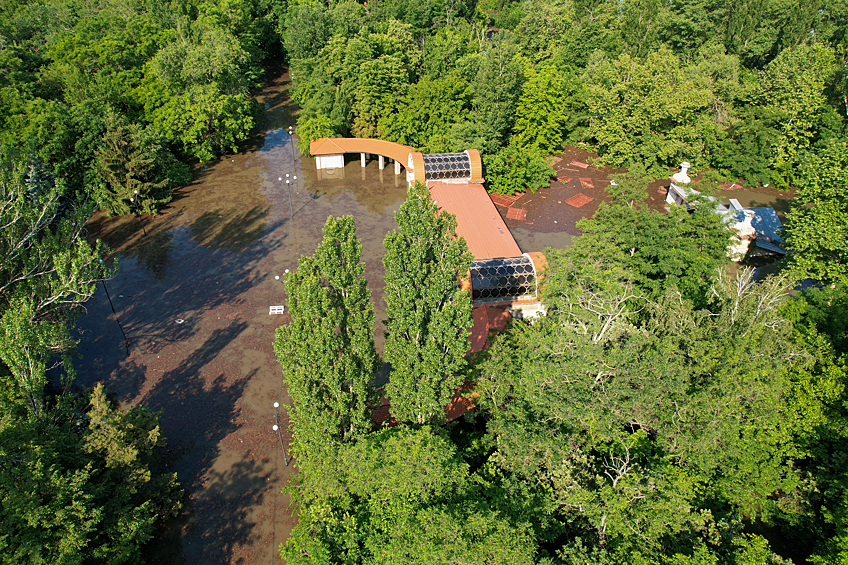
{"x": 291, "y": 137}
{"x": 134, "y": 206}
{"x": 112, "y": 306}
{"x": 291, "y": 207}
{"x": 276, "y": 428}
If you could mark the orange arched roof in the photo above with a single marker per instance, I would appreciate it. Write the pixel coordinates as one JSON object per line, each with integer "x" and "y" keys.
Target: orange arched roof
{"x": 398, "y": 152}
{"x": 417, "y": 159}
{"x": 476, "y": 166}
{"x": 339, "y": 145}
{"x": 540, "y": 262}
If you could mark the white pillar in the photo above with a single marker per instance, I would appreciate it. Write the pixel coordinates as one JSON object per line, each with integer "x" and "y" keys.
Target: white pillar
{"x": 382, "y": 161}
{"x": 397, "y": 167}
{"x": 362, "y": 159}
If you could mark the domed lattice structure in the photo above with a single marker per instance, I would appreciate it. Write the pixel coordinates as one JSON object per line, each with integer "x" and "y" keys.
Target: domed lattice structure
{"x": 447, "y": 166}
{"x": 503, "y": 280}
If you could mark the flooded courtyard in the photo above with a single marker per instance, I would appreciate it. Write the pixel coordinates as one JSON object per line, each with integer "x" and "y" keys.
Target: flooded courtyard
{"x": 193, "y": 296}
{"x": 191, "y": 336}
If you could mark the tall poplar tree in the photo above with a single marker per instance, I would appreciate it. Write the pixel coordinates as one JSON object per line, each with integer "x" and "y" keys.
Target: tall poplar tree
{"x": 429, "y": 313}
{"x": 327, "y": 350}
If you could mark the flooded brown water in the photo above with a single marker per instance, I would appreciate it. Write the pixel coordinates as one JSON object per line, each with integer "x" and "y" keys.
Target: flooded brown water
{"x": 193, "y": 298}
{"x": 760, "y": 198}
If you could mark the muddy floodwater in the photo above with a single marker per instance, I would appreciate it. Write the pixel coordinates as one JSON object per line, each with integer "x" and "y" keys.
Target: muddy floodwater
{"x": 191, "y": 336}
{"x": 760, "y": 198}
{"x": 193, "y": 297}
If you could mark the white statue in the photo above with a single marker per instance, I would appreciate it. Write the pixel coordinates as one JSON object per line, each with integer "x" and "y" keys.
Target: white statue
{"x": 682, "y": 177}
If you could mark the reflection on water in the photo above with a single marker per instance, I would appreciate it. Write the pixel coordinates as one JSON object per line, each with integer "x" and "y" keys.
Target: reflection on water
{"x": 241, "y": 216}
{"x": 125, "y": 237}
{"x": 377, "y": 190}
{"x": 154, "y": 252}
{"x": 193, "y": 296}
{"x": 278, "y": 139}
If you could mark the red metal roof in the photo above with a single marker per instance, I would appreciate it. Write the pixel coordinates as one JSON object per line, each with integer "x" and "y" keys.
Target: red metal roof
{"x": 458, "y": 405}
{"x": 478, "y": 221}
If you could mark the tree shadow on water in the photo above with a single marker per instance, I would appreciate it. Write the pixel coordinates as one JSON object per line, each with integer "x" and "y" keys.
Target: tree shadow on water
{"x": 225, "y": 503}
{"x": 197, "y": 400}
{"x": 230, "y": 229}
{"x": 194, "y": 405}
{"x": 156, "y": 313}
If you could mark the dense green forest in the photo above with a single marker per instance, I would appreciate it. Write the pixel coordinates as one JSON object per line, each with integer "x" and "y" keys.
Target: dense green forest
{"x": 102, "y": 105}
{"x": 78, "y": 480}
{"x": 748, "y": 89}
{"x": 667, "y": 410}
{"x": 117, "y": 97}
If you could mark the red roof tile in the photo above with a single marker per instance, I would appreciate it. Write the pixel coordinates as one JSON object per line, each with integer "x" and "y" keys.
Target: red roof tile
{"x": 587, "y": 183}
{"x": 516, "y": 214}
{"x": 503, "y": 199}
{"x": 460, "y": 404}
{"x": 579, "y": 200}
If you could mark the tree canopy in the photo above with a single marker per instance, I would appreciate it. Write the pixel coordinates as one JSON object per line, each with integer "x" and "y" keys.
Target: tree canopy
{"x": 115, "y": 94}
{"x": 429, "y": 313}
{"x": 327, "y": 350}
{"x": 664, "y": 411}
{"x": 79, "y": 477}
{"x": 817, "y": 226}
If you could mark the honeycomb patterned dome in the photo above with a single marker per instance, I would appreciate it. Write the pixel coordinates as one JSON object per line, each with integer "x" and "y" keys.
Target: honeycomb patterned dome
{"x": 503, "y": 280}
{"x": 447, "y": 166}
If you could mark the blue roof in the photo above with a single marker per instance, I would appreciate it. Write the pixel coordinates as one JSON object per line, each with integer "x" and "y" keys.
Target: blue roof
{"x": 767, "y": 223}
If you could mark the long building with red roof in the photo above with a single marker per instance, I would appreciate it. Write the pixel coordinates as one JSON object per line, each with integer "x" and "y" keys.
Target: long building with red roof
{"x": 502, "y": 279}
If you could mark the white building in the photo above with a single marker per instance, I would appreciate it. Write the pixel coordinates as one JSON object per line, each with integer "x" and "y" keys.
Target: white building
{"x": 758, "y": 225}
